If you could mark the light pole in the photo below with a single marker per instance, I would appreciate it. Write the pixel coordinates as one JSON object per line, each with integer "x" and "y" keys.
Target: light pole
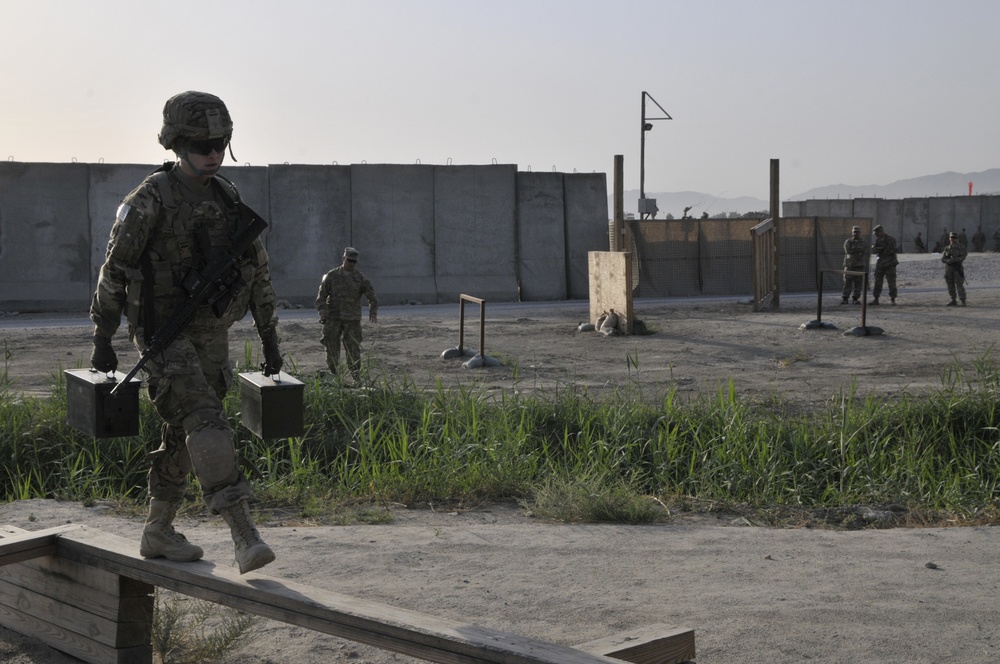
{"x": 646, "y": 205}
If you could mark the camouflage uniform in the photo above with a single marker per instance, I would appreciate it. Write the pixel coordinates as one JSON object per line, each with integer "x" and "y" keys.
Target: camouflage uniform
{"x": 885, "y": 266}
{"x": 855, "y": 260}
{"x": 954, "y": 273}
{"x": 339, "y": 305}
{"x": 156, "y": 241}
{"x": 169, "y": 227}
{"x": 979, "y": 240}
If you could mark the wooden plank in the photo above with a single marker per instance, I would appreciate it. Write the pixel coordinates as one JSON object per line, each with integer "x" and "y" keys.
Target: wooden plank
{"x": 611, "y": 286}
{"x": 18, "y": 547}
{"x": 71, "y": 642}
{"x": 656, "y": 644}
{"x": 398, "y": 630}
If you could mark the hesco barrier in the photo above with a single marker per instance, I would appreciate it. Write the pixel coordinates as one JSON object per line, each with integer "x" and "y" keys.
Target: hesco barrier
{"x": 687, "y": 257}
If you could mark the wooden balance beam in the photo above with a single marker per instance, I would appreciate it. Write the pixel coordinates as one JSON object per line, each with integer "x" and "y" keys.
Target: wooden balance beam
{"x": 48, "y": 574}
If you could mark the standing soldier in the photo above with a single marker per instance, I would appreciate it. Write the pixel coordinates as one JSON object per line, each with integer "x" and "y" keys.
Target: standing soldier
{"x": 855, "y": 260}
{"x": 339, "y": 305}
{"x": 885, "y": 266}
{"x": 979, "y": 239}
{"x": 165, "y": 231}
{"x": 919, "y": 243}
{"x": 942, "y": 241}
{"x": 963, "y": 239}
{"x": 954, "y": 273}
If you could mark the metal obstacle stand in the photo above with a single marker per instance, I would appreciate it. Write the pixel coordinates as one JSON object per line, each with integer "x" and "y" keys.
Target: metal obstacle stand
{"x": 859, "y": 331}
{"x": 479, "y": 359}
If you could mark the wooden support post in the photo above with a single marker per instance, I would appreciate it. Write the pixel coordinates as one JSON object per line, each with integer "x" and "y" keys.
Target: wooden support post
{"x": 95, "y": 615}
{"x": 618, "y": 226}
{"x": 775, "y": 215}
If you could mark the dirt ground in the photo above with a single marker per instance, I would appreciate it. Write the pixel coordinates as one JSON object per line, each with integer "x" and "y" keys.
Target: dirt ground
{"x": 697, "y": 346}
{"x": 752, "y": 594}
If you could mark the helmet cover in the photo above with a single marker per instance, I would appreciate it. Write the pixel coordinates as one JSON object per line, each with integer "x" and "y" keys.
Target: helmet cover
{"x": 194, "y": 115}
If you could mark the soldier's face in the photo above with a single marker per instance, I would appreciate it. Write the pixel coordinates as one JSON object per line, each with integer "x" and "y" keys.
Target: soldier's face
{"x": 202, "y": 166}
{"x": 350, "y": 263}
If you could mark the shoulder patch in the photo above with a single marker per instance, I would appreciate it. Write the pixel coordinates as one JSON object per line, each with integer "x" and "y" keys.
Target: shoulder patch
{"x": 123, "y": 211}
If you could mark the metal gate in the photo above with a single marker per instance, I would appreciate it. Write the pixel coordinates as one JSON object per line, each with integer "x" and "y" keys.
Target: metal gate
{"x": 764, "y": 264}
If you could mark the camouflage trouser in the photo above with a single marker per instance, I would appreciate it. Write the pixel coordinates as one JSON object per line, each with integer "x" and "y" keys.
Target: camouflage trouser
{"x": 187, "y": 384}
{"x": 350, "y": 331}
{"x": 853, "y": 284}
{"x": 954, "y": 277}
{"x": 889, "y": 273}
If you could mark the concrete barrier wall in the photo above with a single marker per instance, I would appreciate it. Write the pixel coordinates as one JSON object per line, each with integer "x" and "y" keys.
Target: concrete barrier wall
{"x": 45, "y": 233}
{"x": 474, "y": 232}
{"x": 541, "y": 208}
{"x": 425, "y": 233}
{"x": 903, "y": 219}
{"x": 586, "y": 227}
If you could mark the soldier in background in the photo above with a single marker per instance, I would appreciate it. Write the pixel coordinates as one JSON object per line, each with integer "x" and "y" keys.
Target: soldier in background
{"x": 963, "y": 239}
{"x": 168, "y": 227}
{"x": 339, "y": 305}
{"x": 954, "y": 273}
{"x": 855, "y": 260}
{"x": 919, "y": 243}
{"x": 942, "y": 241}
{"x": 979, "y": 239}
{"x": 885, "y": 266}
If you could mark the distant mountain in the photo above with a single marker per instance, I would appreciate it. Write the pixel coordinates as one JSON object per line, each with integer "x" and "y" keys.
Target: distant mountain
{"x": 949, "y": 183}
{"x": 675, "y": 202}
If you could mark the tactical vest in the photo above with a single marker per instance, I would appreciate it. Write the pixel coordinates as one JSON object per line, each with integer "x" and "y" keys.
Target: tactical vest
{"x": 189, "y": 229}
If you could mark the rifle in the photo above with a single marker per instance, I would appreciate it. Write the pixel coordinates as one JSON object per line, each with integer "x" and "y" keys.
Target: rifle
{"x": 216, "y": 285}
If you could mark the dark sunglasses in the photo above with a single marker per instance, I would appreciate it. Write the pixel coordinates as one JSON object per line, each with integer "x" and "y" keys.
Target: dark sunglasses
{"x": 205, "y": 148}
{"x": 351, "y": 260}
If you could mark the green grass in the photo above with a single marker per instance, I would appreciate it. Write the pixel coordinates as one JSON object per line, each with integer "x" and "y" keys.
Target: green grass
{"x": 562, "y": 454}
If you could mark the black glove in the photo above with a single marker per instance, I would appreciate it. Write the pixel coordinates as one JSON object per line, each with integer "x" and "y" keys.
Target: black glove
{"x": 103, "y": 357}
{"x": 272, "y": 354}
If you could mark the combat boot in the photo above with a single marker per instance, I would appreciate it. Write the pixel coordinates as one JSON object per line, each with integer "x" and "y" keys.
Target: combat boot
{"x": 963, "y": 301}
{"x": 844, "y": 301}
{"x": 892, "y": 300}
{"x": 953, "y": 303}
{"x": 875, "y": 301}
{"x": 160, "y": 540}
{"x": 251, "y": 551}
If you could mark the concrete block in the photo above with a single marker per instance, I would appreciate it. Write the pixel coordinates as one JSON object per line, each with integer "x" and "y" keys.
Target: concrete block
{"x": 541, "y": 236}
{"x": 586, "y": 227}
{"x": 474, "y": 232}
{"x": 310, "y": 224}
{"x": 392, "y": 209}
{"x": 45, "y": 249}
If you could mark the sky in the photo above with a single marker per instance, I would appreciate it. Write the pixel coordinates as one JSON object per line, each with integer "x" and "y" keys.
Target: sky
{"x": 855, "y": 92}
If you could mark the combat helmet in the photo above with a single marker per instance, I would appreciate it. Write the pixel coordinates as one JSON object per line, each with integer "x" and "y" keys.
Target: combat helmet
{"x": 194, "y": 115}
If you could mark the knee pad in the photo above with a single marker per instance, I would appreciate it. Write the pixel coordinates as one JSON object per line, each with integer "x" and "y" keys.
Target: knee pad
{"x": 213, "y": 454}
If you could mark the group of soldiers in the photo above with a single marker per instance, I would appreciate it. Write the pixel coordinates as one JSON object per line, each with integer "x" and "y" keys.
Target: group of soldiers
{"x": 857, "y": 250}
{"x": 978, "y": 241}
{"x": 180, "y": 220}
